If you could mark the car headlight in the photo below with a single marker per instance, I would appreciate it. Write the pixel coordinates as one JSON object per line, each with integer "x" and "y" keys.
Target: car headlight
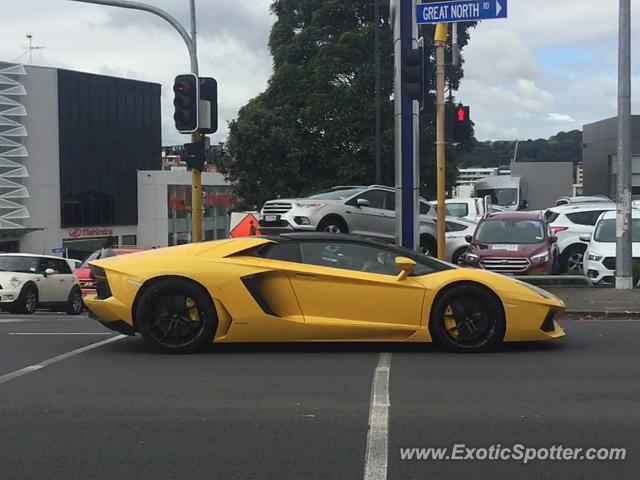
{"x": 541, "y": 257}
{"x": 310, "y": 205}
{"x": 14, "y": 282}
{"x": 593, "y": 257}
{"x": 472, "y": 257}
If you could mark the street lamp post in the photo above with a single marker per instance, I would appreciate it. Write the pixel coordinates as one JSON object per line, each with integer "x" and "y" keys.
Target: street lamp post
{"x": 191, "y": 42}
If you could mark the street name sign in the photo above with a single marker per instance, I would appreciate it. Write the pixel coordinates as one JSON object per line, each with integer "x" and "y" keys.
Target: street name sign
{"x": 461, "y": 11}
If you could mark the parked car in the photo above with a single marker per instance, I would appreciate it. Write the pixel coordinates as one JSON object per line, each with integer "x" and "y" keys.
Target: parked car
{"x": 367, "y": 211}
{"x": 29, "y": 282}
{"x": 568, "y": 223}
{"x": 458, "y": 230}
{"x": 581, "y": 200}
{"x": 87, "y": 283}
{"x": 515, "y": 243}
{"x": 600, "y": 256}
{"x": 471, "y": 209}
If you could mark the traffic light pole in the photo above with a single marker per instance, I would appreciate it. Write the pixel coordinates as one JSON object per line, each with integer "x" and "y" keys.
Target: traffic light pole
{"x": 440, "y": 42}
{"x": 191, "y": 42}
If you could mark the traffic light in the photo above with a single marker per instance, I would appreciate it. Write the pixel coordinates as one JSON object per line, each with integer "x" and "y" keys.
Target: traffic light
{"x": 462, "y": 123}
{"x": 462, "y": 115}
{"x": 194, "y": 154}
{"x": 186, "y": 102}
{"x": 209, "y": 93}
{"x": 413, "y": 73}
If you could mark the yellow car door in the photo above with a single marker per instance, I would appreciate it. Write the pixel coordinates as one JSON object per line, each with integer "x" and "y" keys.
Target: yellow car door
{"x": 352, "y": 291}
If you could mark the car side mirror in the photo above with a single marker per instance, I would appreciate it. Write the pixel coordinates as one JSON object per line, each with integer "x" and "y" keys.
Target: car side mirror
{"x": 405, "y": 265}
{"x": 585, "y": 237}
{"x": 553, "y": 239}
{"x": 363, "y": 202}
{"x": 469, "y": 238}
{"x": 49, "y": 271}
{"x": 524, "y": 205}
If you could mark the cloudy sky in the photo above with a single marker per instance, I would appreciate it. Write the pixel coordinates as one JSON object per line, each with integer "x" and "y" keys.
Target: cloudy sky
{"x": 551, "y": 66}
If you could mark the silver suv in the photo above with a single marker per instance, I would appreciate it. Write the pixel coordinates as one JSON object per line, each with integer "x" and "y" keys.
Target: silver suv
{"x": 368, "y": 211}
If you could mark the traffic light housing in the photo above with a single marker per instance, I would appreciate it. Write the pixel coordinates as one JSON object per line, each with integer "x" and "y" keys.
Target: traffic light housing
{"x": 413, "y": 73}
{"x": 209, "y": 93}
{"x": 462, "y": 123}
{"x": 194, "y": 154}
{"x": 186, "y": 89}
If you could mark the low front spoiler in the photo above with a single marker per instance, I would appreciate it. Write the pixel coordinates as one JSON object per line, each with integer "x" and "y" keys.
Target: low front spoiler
{"x": 119, "y": 326}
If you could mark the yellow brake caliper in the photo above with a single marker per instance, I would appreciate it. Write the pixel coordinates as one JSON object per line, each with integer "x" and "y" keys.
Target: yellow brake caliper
{"x": 450, "y": 322}
{"x": 193, "y": 310}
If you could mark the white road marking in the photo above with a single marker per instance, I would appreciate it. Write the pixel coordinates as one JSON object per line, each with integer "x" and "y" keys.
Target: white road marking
{"x": 11, "y": 320}
{"x": 56, "y": 359}
{"x": 59, "y": 333}
{"x": 375, "y": 465}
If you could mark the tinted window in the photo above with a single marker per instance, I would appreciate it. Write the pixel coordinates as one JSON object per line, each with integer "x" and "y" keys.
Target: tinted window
{"x": 287, "y": 252}
{"x": 551, "y": 216}
{"x": 457, "y": 209}
{"x": 376, "y": 198}
{"x": 585, "y": 218}
{"x": 455, "y": 227}
{"x": 389, "y": 201}
{"x": 19, "y": 264}
{"x": 510, "y": 231}
{"x": 349, "y": 256}
{"x": 425, "y": 208}
{"x": 61, "y": 266}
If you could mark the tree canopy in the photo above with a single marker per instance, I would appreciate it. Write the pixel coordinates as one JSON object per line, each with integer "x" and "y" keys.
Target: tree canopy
{"x": 314, "y": 125}
{"x": 563, "y": 147}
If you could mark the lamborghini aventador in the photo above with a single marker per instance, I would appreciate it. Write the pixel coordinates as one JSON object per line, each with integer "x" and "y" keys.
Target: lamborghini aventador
{"x": 315, "y": 287}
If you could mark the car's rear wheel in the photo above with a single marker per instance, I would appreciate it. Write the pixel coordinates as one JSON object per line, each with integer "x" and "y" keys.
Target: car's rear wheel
{"x": 428, "y": 245}
{"x": 27, "y": 300}
{"x": 176, "y": 316}
{"x": 74, "y": 302}
{"x": 467, "y": 318}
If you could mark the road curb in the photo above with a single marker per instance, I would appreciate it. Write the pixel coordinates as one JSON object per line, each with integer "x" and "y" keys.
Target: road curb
{"x": 603, "y": 313}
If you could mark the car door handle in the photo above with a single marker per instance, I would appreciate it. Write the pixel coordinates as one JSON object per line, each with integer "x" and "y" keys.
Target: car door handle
{"x": 61, "y": 279}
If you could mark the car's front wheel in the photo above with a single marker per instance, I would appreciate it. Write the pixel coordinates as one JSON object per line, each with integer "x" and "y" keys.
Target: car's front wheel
{"x": 74, "y": 302}
{"x": 27, "y": 300}
{"x": 176, "y": 316}
{"x": 467, "y": 318}
{"x": 333, "y": 225}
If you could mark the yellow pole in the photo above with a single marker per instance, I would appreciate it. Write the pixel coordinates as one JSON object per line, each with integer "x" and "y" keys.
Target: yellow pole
{"x": 196, "y": 199}
{"x": 440, "y": 42}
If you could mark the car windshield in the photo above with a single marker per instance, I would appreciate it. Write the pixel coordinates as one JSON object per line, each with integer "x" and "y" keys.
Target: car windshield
{"x": 19, "y": 264}
{"x": 102, "y": 253}
{"x": 501, "y": 196}
{"x": 336, "y": 194}
{"x": 510, "y": 231}
{"x": 606, "y": 231}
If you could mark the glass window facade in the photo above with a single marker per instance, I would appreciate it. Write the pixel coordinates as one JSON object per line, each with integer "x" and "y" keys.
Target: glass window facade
{"x": 109, "y": 129}
{"x": 216, "y": 205}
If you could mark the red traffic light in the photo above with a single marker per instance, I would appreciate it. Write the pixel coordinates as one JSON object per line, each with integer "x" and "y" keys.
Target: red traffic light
{"x": 462, "y": 115}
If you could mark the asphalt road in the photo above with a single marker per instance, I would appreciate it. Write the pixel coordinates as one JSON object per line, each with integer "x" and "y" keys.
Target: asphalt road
{"x": 302, "y": 411}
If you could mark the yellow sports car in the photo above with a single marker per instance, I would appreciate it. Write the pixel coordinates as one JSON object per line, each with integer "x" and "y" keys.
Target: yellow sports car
{"x": 313, "y": 287}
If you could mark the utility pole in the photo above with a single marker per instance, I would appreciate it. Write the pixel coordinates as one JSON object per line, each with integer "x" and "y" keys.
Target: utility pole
{"x": 440, "y": 42}
{"x": 624, "y": 272}
{"x": 406, "y": 115}
{"x": 191, "y": 43}
{"x": 376, "y": 48}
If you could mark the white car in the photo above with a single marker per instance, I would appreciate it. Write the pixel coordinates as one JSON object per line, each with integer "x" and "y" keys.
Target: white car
{"x": 471, "y": 209}
{"x": 568, "y": 223}
{"x": 600, "y": 257}
{"x": 458, "y": 230}
{"x": 28, "y": 282}
{"x": 581, "y": 200}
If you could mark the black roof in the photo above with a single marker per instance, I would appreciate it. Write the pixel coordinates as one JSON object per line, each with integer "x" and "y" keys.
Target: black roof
{"x": 323, "y": 236}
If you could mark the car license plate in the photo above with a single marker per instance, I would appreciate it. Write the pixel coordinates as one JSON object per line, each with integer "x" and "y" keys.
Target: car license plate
{"x": 271, "y": 218}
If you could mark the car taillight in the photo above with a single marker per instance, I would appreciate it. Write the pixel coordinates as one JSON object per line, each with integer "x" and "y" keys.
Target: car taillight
{"x": 556, "y": 230}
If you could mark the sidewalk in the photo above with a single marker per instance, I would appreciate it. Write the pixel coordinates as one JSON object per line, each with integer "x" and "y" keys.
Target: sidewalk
{"x": 599, "y": 302}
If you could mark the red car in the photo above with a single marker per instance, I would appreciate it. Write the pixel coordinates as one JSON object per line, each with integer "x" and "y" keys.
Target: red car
{"x": 87, "y": 284}
{"x": 513, "y": 243}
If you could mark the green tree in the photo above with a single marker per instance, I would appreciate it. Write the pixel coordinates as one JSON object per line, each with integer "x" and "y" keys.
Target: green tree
{"x": 314, "y": 125}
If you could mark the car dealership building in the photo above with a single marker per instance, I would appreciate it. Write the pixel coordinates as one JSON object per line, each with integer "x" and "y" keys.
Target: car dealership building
{"x": 80, "y": 164}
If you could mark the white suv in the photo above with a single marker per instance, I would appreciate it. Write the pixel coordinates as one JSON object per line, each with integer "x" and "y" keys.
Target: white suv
{"x": 28, "y": 282}
{"x": 600, "y": 257}
{"x": 568, "y": 223}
